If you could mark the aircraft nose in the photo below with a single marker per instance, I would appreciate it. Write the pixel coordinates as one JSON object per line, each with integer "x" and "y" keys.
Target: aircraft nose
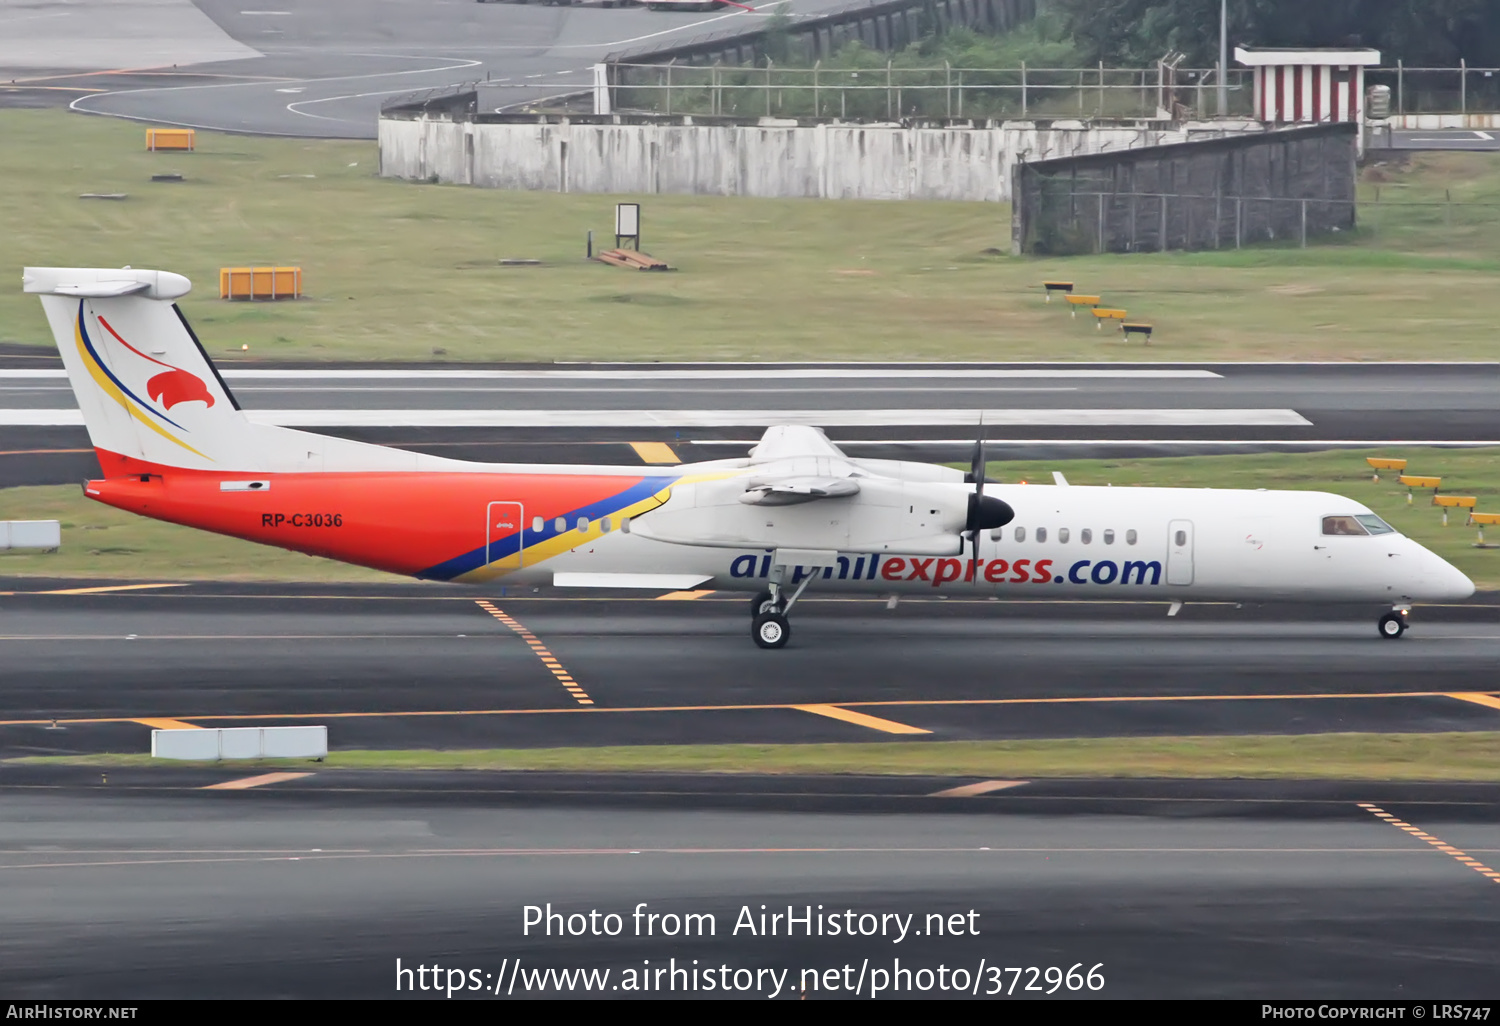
{"x": 1441, "y": 580}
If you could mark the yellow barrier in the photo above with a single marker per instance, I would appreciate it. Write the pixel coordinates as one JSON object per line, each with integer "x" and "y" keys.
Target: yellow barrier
{"x": 1379, "y": 463}
{"x": 170, "y": 139}
{"x": 1451, "y": 501}
{"x": 260, "y": 282}
{"x": 1056, "y": 286}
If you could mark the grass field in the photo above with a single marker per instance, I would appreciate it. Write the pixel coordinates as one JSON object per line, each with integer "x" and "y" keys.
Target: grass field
{"x": 1449, "y": 756}
{"x": 409, "y": 272}
{"x": 99, "y": 541}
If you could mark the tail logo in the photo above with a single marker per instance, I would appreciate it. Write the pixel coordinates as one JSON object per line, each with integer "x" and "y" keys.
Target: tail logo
{"x": 175, "y": 386}
{"x": 168, "y": 388}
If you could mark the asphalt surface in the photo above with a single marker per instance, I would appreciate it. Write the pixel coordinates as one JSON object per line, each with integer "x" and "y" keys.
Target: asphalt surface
{"x": 315, "y": 888}
{"x": 426, "y": 667}
{"x": 323, "y": 68}
{"x": 591, "y": 413}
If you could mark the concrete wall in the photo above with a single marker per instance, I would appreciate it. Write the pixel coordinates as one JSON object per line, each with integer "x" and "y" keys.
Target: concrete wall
{"x": 947, "y": 161}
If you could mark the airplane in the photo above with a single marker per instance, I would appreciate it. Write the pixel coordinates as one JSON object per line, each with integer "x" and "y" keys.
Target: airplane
{"x": 795, "y": 512}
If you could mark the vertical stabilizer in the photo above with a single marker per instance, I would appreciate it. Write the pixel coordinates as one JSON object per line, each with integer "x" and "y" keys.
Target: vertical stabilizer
{"x": 149, "y": 393}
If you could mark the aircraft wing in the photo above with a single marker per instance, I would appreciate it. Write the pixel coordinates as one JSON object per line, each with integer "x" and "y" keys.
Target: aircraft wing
{"x": 790, "y": 441}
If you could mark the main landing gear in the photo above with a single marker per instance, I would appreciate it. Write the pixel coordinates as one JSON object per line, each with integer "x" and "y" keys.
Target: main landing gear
{"x": 768, "y": 623}
{"x": 1393, "y": 624}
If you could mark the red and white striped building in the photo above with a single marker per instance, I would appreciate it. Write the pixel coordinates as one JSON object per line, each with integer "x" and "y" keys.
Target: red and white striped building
{"x": 1308, "y": 86}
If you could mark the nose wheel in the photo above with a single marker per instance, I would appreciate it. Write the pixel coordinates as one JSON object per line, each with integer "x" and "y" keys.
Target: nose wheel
{"x": 1392, "y": 625}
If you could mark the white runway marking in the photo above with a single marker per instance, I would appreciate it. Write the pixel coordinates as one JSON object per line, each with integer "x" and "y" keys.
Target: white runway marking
{"x": 726, "y": 418}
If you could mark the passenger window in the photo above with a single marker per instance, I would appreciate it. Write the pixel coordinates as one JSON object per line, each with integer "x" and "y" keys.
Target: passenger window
{"x": 1041, "y": 534}
{"x": 582, "y": 525}
{"x": 1342, "y": 525}
{"x": 604, "y": 526}
{"x": 1180, "y": 539}
{"x": 997, "y": 534}
{"x": 1062, "y": 535}
{"x": 559, "y": 525}
{"x": 1020, "y": 534}
{"x": 1086, "y": 535}
{"x": 624, "y": 525}
{"x": 1374, "y": 524}
{"x": 1109, "y": 536}
{"x": 1130, "y": 537}
{"x": 537, "y": 525}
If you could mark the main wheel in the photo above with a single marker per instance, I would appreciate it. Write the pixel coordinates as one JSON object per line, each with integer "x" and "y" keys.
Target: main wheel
{"x": 770, "y": 630}
{"x": 1392, "y": 626}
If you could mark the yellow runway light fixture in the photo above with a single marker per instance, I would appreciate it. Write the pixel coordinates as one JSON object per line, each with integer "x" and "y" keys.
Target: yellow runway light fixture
{"x": 1076, "y": 301}
{"x": 1453, "y": 502}
{"x": 1057, "y": 286}
{"x": 1379, "y": 463}
{"x": 1419, "y": 482}
{"x": 1479, "y": 520}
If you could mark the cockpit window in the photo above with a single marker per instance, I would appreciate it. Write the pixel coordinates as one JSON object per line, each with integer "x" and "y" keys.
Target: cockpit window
{"x": 1374, "y": 524}
{"x": 1343, "y": 525}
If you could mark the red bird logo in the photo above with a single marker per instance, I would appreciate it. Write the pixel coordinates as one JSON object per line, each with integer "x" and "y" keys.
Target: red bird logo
{"x": 177, "y": 386}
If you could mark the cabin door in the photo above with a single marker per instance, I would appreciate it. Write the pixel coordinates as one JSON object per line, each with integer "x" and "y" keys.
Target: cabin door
{"x": 505, "y": 535}
{"x": 1180, "y": 552}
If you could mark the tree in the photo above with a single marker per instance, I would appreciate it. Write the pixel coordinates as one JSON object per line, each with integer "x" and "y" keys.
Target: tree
{"x": 1419, "y": 32}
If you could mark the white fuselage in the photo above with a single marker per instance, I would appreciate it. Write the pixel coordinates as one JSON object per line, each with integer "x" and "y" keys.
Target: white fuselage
{"x": 1080, "y": 541}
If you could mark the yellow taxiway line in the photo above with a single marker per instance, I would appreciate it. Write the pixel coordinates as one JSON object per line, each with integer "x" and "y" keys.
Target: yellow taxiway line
{"x": 1441, "y": 845}
{"x": 799, "y": 706}
{"x": 655, "y": 452}
{"x": 861, "y": 719}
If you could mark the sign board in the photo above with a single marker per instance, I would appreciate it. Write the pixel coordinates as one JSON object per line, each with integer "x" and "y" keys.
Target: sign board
{"x": 628, "y": 219}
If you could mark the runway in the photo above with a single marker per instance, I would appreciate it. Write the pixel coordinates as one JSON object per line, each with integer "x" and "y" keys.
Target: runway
{"x": 592, "y": 413}
{"x": 138, "y": 883}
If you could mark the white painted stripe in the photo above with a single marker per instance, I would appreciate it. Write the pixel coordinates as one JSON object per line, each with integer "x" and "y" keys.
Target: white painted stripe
{"x": 726, "y": 418}
{"x": 647, "y": 374}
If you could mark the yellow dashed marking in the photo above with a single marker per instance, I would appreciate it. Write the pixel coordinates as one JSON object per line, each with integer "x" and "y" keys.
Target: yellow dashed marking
{"x": 974, "y": 790}
{"x": 540, "y": 651}
{"x": 862, "y": 719}
{"x": 160, "y": 723}
{"x": 683, "y": 596}
{"x": 247, "y": 782}
{"x": 1477, "y": 697}
{"x": 1446, "y": 849}
{"x": 655, "y": 452}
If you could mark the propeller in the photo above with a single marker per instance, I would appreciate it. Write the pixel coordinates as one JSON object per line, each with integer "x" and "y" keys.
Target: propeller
{"x": 985, "y": 512}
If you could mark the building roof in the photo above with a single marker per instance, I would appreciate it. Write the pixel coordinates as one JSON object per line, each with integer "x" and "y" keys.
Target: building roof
{"x": 1254, "y": 56}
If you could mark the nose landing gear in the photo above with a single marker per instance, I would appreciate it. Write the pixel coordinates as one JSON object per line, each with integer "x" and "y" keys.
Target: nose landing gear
{"x": 1393, "y": 624}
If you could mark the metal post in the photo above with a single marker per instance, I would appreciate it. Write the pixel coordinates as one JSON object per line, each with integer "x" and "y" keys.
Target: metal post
{"x": 1162, "y": 242}
{"x": 816, "y": 65}
{"x": 1223, "y": 57}
{"x": 1101, "y": 222}
{"x": 1080, "y": 92}
{"x": 768, "y": 86}
{"x": 1400, "y": 87}
{"x": 1101, "y": 89}
{"x": 1023, "y": 89}
{"x": 948, "y": 86}
{"x": 960, "y": 94}
{"x": 887, "y": 90}
{"x": 1239, "y": 220}
{"x": 669, "y": 86}
{"x": 1463, "y": 86}
{"x": 1304, "y": 224}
